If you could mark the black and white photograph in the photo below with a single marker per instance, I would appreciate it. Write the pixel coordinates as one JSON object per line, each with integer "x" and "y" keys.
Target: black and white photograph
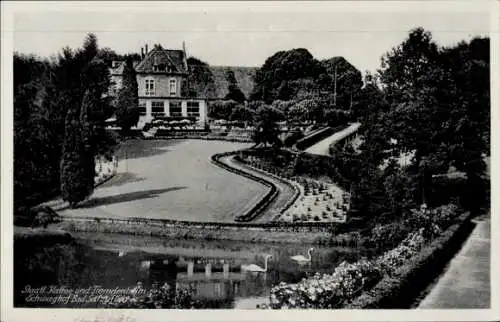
{"x": 259, "y": 156}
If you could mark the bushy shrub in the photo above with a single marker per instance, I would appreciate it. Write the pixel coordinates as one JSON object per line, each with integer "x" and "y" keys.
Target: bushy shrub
{"x": 327, "y": 290}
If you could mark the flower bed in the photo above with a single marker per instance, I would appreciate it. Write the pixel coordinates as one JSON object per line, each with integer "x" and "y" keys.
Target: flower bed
{"x": 391, "y": 273}
{"x": 347, "y": 282}
{"x": 317, "y": 201}
{"x": 105, "y": 170}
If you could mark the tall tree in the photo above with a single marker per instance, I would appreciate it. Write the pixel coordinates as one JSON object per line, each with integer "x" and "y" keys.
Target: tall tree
{"x": 75, "y": 181}
{"x": 127, "y": 110}
{"x": 281, "y": 75}
{"x": 466, "y": 131}
{"x": 411, "y": 75}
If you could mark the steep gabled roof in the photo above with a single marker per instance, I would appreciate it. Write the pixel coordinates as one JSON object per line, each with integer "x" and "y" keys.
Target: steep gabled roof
{"x": 160, "y": 56}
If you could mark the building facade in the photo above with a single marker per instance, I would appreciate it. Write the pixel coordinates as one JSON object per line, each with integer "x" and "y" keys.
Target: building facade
{"x": 162, "y": 86}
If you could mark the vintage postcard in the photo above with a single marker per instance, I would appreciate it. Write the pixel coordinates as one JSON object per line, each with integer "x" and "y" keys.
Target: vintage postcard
{"x": 292, "y": 161}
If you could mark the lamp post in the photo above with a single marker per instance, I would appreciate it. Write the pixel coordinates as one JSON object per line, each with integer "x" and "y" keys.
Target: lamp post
{"x": 335, "y": 79}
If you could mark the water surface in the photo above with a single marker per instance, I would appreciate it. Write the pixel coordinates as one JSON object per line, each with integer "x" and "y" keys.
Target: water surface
{"x": 96, "y": 261}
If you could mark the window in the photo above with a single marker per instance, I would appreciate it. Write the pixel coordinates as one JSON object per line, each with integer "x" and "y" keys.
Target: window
{"x": 193, "y": 109}
{"x": 150, "y": 87}
{"x": 158, "y": 108}
{"x": 175, "y": 108}
{"x": 159, "y": 68}
{"x": 142, "y": 108}
{"x": 173, "y": 86}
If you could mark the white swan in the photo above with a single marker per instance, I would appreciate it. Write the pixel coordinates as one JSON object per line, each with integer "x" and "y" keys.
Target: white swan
{"x": 256, "y": 268}
{"x": 301, "y": 258}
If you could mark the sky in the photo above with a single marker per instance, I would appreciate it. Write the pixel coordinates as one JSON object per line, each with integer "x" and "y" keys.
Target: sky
{"x": 246, "y": 34}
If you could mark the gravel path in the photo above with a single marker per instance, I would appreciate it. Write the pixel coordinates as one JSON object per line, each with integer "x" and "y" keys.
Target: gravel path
{"x": 466, "y": 282}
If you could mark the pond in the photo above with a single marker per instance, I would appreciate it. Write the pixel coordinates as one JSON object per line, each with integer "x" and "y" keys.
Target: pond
{"x": 213, "y": 269}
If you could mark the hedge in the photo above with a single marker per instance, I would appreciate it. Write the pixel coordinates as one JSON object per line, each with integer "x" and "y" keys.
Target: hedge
{"x": 263, "y": 203}
{"x": 295, "y": 188}
{"x": 400, "y": 290}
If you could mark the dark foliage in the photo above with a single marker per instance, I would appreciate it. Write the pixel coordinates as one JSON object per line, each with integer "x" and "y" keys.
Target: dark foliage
{"x": 44, "y": 92}
{"x": 127, "y": 109}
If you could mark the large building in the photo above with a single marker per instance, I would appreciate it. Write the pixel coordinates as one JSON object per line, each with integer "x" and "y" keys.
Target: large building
{"x": 162, "y": 78}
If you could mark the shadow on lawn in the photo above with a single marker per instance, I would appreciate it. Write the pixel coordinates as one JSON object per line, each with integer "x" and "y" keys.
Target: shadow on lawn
{"x": 122, "y": 178}
{"x": 125, "y": 197}
{"x": 138, "y": 148}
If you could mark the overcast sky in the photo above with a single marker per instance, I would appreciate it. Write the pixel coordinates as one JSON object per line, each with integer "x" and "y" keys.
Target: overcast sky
{"x": 246, "y": 35}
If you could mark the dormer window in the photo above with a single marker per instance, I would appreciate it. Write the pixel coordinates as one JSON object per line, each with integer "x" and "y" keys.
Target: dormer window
{"x": 159, "y": 68}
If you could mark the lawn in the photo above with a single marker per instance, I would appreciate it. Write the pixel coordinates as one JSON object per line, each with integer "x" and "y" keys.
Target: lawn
{"x": 171, "y": 179}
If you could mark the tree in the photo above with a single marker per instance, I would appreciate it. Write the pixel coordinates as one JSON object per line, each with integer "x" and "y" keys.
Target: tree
{"x": 200, "y": 79}
{"x": 221, "y": 109}
{"x": 241, "y": 113}
{"x": 44, "y": 92}
{"x": 466, "y": 91}
{"x": 435, "y": 103}
{"x": 275, "y": 79}
{"x": 266, "y": 129}
{"x": 75, "y": 183}
{"x": 343, "y": 80}
{"x": 127, "y": 109}
{"x": 411, "y": 76}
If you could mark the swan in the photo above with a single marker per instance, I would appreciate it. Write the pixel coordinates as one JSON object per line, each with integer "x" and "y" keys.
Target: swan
{"x": 122, "y": 253}
{"x": 301, "y": 258}
{"x": 256, "y": 268}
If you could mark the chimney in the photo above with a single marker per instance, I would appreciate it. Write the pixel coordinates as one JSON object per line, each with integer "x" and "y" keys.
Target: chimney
{"x": 146, "y": 49}
{"x": 142, "y": 53}
{"x": 184, "y": 60}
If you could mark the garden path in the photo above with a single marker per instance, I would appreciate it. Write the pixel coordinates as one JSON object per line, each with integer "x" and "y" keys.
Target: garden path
{"x": 323, "y": 146}
{"x": 466, "y": 282}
